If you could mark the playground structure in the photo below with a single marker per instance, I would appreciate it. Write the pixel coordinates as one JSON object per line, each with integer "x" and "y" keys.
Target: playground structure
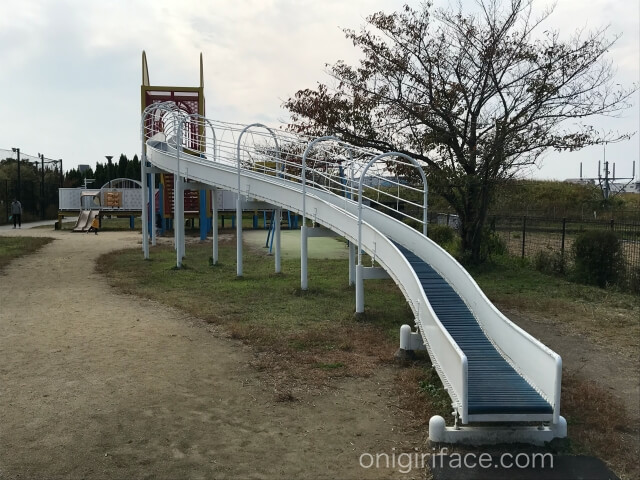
{"x": 121, "y": 197}
{"x": 492, "y": 370}
{"x": 89, "y": 210}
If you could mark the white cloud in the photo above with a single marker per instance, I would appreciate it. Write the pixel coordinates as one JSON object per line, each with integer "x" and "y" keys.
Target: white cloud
{"x": 70, "y": 70}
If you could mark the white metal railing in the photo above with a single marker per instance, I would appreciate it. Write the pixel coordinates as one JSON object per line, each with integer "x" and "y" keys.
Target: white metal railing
{"x": 332, "y": 165}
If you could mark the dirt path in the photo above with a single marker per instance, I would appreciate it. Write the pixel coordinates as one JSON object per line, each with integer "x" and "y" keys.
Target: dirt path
{"x": 99, "y": 385}
{"x": 581, "y": 356}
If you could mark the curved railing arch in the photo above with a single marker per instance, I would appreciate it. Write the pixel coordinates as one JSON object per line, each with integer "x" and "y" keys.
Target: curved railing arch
{"x": 363, "y": 174}
{"x": 117, "y": 183}
{"x": 304, "y": 284}
{"x": 157, "y": 109}
{"x": 205, "y": 120}
{"x": 239, "y": 199}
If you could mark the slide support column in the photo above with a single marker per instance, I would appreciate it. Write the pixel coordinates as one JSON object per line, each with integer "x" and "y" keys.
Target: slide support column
{"x": 278, "y": 220}
{"x": 214, "y": 224}
{"x": 152, "y": 222}
{"x": 352, "y": 263}
{"x": 239, "y": 234}
{"x": 360, "y": 288}
{"x": 145, "y": 226}
{"x": 203, "y": 215}
{"x": 304, "y": 284}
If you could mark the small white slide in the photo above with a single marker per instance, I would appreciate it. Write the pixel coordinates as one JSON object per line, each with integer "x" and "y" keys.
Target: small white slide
{"x": 84, "y": 220}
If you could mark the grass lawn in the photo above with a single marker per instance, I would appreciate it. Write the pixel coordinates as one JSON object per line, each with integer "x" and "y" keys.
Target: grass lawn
{"x": 606, "y": 316}
{"x": 310, "y": 337}
{"x": 14, "y": 247}
{"x": 315, "y": 330}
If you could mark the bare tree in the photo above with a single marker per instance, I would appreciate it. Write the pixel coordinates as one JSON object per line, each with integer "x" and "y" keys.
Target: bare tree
{"x": 476, "y": 96}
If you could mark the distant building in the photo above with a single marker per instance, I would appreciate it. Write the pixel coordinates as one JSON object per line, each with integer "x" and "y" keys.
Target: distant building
{"x": 581, "y": 181}
{"x": 633, "y": 187}
{"x": 83, "y": 168}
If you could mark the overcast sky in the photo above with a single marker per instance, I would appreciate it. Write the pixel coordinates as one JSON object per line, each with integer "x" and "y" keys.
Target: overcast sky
{"x": 70, "y": 70}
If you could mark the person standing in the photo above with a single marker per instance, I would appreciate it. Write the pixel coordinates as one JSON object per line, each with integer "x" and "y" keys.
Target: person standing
{"x": 95, "y": 225}
{"x": 16, "y": 212}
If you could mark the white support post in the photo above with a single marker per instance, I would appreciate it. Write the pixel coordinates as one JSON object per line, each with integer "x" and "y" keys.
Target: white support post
{"x": 152, "y": 187}
{"x": 278, "y": 220}
{"x": 145, "y": 226}
{"x": 178, "y": 200}
{"x": 181, "y": 232}
{"x": 352, "y": 263}
{"x": 178, "y": 223}
{"x": 182, "y": 226}
{"x": 214, "y": 224}
{"x": 175, "y": 213}
{"x": 359, "y": 288}
{"x": 304, "y": 284}
{"x": 239, "y": 234}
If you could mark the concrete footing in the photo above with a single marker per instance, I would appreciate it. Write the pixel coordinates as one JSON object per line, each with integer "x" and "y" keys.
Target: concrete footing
{"x": 409, "y": 340}
{"x": 492, "y": 435}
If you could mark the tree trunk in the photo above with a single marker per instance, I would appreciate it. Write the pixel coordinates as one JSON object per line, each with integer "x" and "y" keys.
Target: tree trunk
{"x": 472, "y": 219}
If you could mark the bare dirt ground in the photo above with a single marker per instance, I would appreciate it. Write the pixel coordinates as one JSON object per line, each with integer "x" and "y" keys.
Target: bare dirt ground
{"x": 616, "y": 370}
{"x": 95, "y": 384}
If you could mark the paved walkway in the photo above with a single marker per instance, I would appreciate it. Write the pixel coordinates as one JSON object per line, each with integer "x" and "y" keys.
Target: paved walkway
{"x": 25, "y": 226}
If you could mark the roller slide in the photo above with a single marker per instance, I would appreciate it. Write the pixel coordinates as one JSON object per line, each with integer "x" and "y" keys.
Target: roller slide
{"x": 492, "y": 369}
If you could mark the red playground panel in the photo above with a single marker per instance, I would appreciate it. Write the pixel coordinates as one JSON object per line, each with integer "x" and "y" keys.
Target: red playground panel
{"x": 191, "y": 197}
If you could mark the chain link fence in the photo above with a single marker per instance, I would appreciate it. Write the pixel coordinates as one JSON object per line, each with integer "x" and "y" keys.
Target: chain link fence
{"x": 34, "y": 181}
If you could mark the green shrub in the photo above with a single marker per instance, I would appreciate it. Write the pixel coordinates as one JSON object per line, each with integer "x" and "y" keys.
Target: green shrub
{"x": 413, "y": 223}
{"x": 634, "y": 280}
{"x": 441, "y": 234}
{"x": 550, "y": 262}
{"x": 446, "y": 237}
{"x": 597, "y": 258}
{"x": 492, "y": 244}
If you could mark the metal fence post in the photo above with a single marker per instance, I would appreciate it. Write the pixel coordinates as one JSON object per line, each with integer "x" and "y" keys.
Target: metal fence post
{"x": 6, "y": 198}
{"x": 524, "y": 233}
{"x": 564, "y": 233}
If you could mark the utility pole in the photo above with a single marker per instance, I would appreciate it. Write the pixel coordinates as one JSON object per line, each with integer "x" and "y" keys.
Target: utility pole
{"x": 6, "y": 193}
{"x": 17, "y": 150}
{"x": 41, "y": 155}
{"x": 604, "y": 182}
